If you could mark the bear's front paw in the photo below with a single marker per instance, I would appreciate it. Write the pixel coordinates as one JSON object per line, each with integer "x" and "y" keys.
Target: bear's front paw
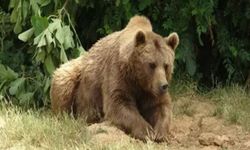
{"x": 161, "y": 135}
{"x": 144, "y": 133}
{"x": 161, "y": 138}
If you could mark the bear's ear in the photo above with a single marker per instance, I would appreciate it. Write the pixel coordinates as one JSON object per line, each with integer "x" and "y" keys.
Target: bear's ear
{"x": 140, "y": 38}
{"x": 127, "y": 49}
{"x": 172, "y": 40}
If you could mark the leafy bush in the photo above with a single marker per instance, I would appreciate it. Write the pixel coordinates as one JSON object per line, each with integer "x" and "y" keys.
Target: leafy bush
{"x": 39, "y": 35}
{"x": 47, "y": 42}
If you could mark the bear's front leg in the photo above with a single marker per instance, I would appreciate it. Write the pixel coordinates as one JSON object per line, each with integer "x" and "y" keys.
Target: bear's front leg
{"x": 123, "y": 113}
{"x": 163, "y": 122}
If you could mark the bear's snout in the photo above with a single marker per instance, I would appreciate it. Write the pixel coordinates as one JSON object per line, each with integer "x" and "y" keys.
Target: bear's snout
{"x": 164, "y": 87}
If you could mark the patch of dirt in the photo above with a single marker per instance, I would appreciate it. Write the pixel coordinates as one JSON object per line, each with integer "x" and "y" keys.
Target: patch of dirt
{"x": 205, "y": 131}
{"x": 105, "y": 133}
{"x": 199, "y": 131}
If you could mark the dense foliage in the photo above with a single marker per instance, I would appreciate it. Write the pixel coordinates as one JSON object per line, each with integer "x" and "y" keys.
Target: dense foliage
{"x": 37, "y": 36}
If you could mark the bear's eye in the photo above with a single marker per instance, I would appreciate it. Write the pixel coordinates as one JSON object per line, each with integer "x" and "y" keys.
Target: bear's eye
{"x": 166, "y": 66}
{"x": 152, "y": 65}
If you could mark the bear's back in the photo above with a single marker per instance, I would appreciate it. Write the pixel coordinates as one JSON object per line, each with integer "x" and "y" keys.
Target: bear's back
{"x": 106, "y": 52}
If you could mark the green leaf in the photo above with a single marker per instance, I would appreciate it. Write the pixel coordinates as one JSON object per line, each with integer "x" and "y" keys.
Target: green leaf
{"x": 25, "y": 9}
{"x": 194, "y": 12}
{"x": 68, "y": 38}
{"x": 26, "y": 35}
{"x": 16, "y": 85}
{"x": 35, "y": 7}
{"x": 44, "y": 2}
{"x": 7, "y": 74}
{"x": 49, "y": 64}
{"x": 14, "y": 15}
{"x": 233, "y": 50}
{"x": 81, "y": 50}
{"x": 49, "y": 47}
{"x": 2, "y": 84}
{"x": 13, "y": 3}
{"x": 42, "y": 41}
{"x": 65, "y": 37}
{"x": 48, "y": 37}
{"x": 47, "y": 85}
{"x": 39, "y": 24}
{"x": 40, "y": 55}
{"x": 37, "y": 39}
{"x": 18, "y": 27}
{"x": 1, "y": 97}
{"x": 60, "y": 35}
{"x": 55, "y": 25}
{"x": 63, "y": 56}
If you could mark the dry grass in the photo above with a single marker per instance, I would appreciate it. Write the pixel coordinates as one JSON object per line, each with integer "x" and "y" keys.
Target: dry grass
{"x": 41, "y": 130}
{"x": 233, "y": 104}
{"x": 32, "y": 129}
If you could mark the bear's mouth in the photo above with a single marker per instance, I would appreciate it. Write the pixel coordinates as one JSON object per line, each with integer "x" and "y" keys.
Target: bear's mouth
{"x": 159, "y": 93}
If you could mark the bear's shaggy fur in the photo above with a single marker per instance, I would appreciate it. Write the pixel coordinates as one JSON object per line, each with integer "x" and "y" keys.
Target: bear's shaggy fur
{"x": 123, "y": 79}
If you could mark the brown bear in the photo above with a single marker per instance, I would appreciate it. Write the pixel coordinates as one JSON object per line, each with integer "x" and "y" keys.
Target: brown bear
{"x": 124, "y": 78}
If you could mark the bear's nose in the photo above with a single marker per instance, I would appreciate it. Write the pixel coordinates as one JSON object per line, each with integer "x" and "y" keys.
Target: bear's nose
{"x": 164, "y": 88}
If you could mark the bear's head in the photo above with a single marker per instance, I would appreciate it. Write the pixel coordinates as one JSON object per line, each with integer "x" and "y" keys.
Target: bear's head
{"x": 151, "y": 58}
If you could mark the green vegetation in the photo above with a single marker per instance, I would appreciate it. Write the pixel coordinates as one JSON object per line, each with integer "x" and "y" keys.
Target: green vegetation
{"x": 37, "y": 36}
{"x": 232, "y": 104}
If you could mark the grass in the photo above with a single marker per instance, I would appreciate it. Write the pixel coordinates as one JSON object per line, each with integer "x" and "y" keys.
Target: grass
{"x": 184, "y": 108}
{"x": 183, "y": 92}
{"x": 41, "y": 130}
{"x": 34, "y": 129}
{"x": 233, "y": 104}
